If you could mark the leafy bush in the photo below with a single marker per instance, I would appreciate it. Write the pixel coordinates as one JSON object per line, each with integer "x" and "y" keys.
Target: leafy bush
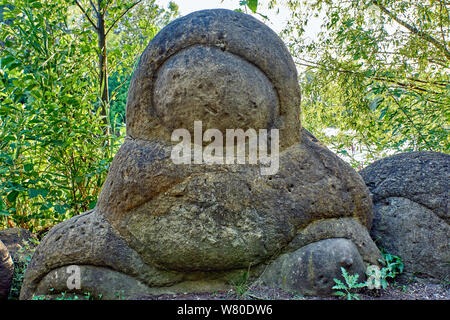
{"x": 384, "y": 90}
{"x": 53, "y": 158}
{"x": 57, "y": 137}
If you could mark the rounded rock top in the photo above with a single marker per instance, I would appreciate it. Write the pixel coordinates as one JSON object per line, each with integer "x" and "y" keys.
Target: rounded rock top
{"x": 219, "y": 66}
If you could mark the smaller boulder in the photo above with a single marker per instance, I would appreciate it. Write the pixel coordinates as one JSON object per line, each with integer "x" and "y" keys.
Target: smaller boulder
{"x": 311, "y": 269}
{"x": 6, "y": 271}
{"x": 411, "y": 217}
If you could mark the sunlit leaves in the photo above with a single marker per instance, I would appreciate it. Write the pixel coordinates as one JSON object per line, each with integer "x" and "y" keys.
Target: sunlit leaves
{"x": 53, "y": 158}
{"x": 49, "y": 134}
{"x": 383, "y": 85}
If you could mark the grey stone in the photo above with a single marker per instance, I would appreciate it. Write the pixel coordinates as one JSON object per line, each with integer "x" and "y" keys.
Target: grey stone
{"x": 410, "y": 193}
{"x": 87, "y": 239}
{"x": 422, "y": 177}
{"x": 200, "y": 217}
{"x": 216, "y": 86}
{"x": 6, "y": 271}
{"x": 311, "y": 269}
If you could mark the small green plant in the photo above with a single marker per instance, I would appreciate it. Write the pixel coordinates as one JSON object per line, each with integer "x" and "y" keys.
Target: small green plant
{"x": 120, "y": 294}
{"x": 377, "y": 279}
{"x": 351, "y": 285}
{"x": 445, "y": 283}
{"x": 90, "y": 296}
{"x": 394, "y": 267}
{"x": 394, "y": 264}
{"x": 61, "y": 296}
{"x": 401, "y": 287}
{"x": 241, "y": 286}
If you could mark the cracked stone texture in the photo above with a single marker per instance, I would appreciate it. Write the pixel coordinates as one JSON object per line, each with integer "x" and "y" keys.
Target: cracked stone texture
{"x": 411, "y": 219}
{"x": 201, "y": 217}
{"x": 160, "y": 227}
{"x": 6, "y": 271}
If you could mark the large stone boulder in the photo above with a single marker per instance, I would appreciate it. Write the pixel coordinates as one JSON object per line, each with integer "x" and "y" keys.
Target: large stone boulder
{"x": 6, "y": 271}
{"x": 162, "y": 227}
{"x": 411, "y": 220}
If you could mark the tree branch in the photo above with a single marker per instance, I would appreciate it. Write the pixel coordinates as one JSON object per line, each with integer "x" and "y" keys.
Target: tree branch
{"x": 85, "y": 14}
{"x": 124, "y": 13}
{"x": 409, "y": 118}
{"x": 413, "y": 29}
{"x": 316, "y": 65}
{"x": 93, "y": 6}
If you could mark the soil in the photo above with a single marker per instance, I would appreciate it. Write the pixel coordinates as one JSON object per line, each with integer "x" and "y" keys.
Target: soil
{"x": 405, "y": 288}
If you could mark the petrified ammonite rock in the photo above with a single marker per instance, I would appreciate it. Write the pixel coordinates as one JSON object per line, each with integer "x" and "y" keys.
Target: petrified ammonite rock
{"x": 410, "y": 195}
{"x": 165, "y": 227}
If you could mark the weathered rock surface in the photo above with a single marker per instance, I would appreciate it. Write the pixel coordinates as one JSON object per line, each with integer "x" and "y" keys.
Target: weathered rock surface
{"x": 246, "y": 43}
{"x": 162, "y": 227}
{"x": 410, "y": 194}
{"x": 6, "y": 271}
{"x": 304, "y": 270}
{"x": 202, "y": 217}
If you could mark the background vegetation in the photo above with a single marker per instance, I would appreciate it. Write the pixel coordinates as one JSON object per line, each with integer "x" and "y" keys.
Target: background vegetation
{"x": 58, "y": 132}
{"x": 377, "y": 73}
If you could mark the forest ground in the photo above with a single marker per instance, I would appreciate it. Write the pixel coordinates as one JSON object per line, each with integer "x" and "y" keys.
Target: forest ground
{"x": 405, "y": 288}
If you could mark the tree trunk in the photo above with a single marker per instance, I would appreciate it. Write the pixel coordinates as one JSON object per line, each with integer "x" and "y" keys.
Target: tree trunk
{"x": 102, "y": 59}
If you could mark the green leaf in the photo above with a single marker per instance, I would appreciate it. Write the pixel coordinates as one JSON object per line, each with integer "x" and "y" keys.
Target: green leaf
{"x": 36, "y": 192}
{"x": 339, "y": 293}
{"x": 28, "y": 167}
{"x": 61, "y": 209}
{"x": 12, "y": 196}
{"x": 252, "y": 5}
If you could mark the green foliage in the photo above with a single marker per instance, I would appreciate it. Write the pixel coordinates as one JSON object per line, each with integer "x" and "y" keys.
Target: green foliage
{"x": 55, "y": 148}
{"x": 346, "y": 290}
{"x": 119, "y": 86}
{"x": 445, "y": 283}
{"x": 52, "y": 160}
{"x": 252, "y": 5}
{"x": 120, "y": 294}
{"x": 393, "y": 267}
{"x": 68, "y": 296}
{"x": 25, "y": 253}
{"x": 377, "y": 71}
